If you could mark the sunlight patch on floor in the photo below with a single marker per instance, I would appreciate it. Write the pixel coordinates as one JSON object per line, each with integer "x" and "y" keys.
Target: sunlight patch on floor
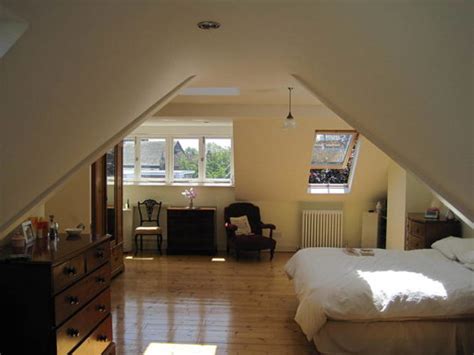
{"x": 137, "y": 258}
{"x": 180, "y": 349}
{"x": 218, "y": 259}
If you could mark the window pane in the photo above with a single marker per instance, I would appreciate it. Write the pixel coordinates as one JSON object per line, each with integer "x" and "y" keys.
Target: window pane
{"x": 334, "y": 176}
{"x": 153, "y": 158}
{"x": 186, "y": 158}
{"x": 330, "y": 149}
{"x": 128, "y": 159}
{"x": 218, "y": 158}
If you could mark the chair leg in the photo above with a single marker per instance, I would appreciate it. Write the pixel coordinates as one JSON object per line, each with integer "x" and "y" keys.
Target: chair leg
{"x": 259, "y": 258}
{"x": 272, "y": 251}
{"x": 141, "y": 242}
{"x": 228, "y": 249}
{"x": 237, "y": 254}
{"x": 159, "y": 239}
{"x": 136, "y": 244}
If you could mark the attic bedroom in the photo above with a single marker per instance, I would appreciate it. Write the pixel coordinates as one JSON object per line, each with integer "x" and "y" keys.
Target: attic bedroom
{"x": 236, "y": 177}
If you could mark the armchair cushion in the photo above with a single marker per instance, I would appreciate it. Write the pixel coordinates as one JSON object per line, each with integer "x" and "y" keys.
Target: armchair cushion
{"x": 243, "y": 225}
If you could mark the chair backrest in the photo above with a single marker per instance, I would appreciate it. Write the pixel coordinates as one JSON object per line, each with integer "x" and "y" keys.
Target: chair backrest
{"x": 149, "y": 211}
{"x": 245, "y": 209}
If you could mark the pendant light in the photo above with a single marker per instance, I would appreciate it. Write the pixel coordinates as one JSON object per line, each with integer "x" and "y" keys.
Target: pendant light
{"x": 289, "y": 120}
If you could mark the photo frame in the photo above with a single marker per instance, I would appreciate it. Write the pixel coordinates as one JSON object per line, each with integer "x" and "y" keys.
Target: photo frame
{"x": 28, "y": 232}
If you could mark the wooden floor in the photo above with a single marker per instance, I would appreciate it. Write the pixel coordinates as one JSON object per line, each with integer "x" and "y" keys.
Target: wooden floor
{"x": 244, "y": 307}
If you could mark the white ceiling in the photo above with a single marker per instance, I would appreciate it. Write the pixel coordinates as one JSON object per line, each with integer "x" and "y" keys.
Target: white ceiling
{"x": 395, "y": 71}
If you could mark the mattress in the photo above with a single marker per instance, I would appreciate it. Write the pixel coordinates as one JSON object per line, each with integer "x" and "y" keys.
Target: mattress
{"x": 389, "y": 286}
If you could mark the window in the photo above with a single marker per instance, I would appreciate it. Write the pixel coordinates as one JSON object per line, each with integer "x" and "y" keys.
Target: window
{"x": 218, "y": 159}
{"x": 186, "y": 158}
{"x": 153, "y": 158}
{"x": 178, "y": 160}
{"x": 129, "y": 159}
{"x": 333, "y": 161}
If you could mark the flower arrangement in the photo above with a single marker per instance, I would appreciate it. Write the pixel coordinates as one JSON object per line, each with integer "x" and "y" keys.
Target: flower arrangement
{"x": 191, "y": 194}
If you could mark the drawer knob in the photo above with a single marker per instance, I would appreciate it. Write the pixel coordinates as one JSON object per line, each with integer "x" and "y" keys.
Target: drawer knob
{"x": 101, "y": 308}
{"x": 101, "y": 280}
{"x": 73, "y": 332}
{"x": 73, "y": 300}
{"x": 100, "y": 254}
{"x": 103, "y": 338}
{"x": 70, "y": 270}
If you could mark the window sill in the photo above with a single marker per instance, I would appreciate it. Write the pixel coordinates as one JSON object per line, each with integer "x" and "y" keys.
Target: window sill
{"x": 328, "y": 190}
{"x": 190, "y": 184}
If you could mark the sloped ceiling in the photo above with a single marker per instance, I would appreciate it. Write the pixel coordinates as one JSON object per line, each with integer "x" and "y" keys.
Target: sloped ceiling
{"x": 398, "y": 72}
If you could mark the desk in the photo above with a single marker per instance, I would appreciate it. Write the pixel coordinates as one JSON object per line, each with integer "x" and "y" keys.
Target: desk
{"x": 191, "y": 230}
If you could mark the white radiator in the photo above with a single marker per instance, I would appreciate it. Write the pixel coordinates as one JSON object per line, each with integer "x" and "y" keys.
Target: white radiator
{"x": 321, "y": 229}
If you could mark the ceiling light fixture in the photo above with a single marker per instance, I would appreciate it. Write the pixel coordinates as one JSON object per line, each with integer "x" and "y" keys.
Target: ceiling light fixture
{"x": 209, "y": 25}
{"x": 289, "y": 120}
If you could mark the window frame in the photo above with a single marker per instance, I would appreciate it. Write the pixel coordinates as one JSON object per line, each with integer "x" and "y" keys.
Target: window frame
{"x": 353, "y": 141}
{"x": 169, "y": 161}
{"x": 338, "y": 188}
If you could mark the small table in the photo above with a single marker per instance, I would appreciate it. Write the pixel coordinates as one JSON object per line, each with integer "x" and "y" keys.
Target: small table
{"x": 191, "y": 230}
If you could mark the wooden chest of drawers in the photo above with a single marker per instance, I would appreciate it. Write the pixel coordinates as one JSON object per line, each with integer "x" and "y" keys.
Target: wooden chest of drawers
{"x": 421, "y": 232}
{"x": 191, "y": 230}
{"x": 57, "y": 298}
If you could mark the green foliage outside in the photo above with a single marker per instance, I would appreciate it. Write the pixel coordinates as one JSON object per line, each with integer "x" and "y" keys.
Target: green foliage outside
{"x": 217, "y": 158}
{"x": 218, "y": 161}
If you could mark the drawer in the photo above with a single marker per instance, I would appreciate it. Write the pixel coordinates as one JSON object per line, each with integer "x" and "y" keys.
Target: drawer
{"x": 110, "y": 350}
{"x": 68, "y": 272}
{"x": 99, "y": 341}
{"x": 97, "y": 256}
{"x": 75, "y": 329}
{"x": 75, "y": 297}
{"x": 414, "y": 242}
{"x": 117, "y": 257}
{"x": 416, "y": 228}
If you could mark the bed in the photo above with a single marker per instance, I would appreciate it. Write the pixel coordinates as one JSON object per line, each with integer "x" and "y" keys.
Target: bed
{"x": 390, "y": 303}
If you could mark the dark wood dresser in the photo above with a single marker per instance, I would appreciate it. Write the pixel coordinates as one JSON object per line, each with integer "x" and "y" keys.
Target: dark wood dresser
{"x": 422, "y": 232}
{"x": 55, "y": 298}
{"x": 191, "y": 230}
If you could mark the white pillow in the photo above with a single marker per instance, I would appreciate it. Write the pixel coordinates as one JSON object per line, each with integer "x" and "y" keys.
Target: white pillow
{"x": 454, "y": 248}
{"x": 445, "y": 246}
{"x": 469, "y": 266}
{"x": 243, "y": 225}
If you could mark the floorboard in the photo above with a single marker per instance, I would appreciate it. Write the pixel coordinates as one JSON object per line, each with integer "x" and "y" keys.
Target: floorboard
{"x": 244, "y": 307}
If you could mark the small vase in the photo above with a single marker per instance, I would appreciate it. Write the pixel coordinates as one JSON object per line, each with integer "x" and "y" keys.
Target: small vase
{"x": 191, "y": 205}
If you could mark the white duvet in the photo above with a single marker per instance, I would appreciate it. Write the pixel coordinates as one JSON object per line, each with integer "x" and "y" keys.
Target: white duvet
{"x": 391, "y": 285}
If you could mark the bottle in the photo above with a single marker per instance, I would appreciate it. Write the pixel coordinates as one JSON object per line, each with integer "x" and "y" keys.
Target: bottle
{"x": 53, "y": 228}
{"x": 127, "y": 206}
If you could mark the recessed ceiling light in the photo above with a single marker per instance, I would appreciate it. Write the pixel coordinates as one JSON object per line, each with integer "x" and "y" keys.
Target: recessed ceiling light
{"x": 209, "y": 25}
{"x": 210, "y": 91}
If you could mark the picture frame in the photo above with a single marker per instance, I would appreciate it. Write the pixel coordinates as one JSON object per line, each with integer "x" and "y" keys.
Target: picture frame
{"x": 431, "y": 213}
{"x": 28, "y": 232}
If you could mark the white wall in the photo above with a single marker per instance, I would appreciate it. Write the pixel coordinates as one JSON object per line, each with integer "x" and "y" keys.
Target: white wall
{"x": 219, "y": 197}
{"x": 71, "y": 204}
{"x": 272, "y": 166}
{"x": 396, "y": 207}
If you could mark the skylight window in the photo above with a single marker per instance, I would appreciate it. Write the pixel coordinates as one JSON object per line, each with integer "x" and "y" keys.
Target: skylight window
{"x": 332, "y": 162}
{"x": 210, "y": 91}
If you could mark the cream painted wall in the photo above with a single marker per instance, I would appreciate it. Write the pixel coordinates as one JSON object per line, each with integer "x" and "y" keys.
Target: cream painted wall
{"x": 218, "y": 197}
{"x": 396, "y": 207}
{"x": 71, "y": 205}
{"x": 271, "y": 170}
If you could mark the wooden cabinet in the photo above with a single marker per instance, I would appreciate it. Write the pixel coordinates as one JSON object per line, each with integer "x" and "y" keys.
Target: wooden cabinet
{"x": 56, "y": 297}
{"x": 191, "y": 230}
{"x": 107, "y": 202}
{"x": 422, "y": 232}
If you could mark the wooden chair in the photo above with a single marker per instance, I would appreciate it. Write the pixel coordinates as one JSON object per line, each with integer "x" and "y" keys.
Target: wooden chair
{"x": 149, "y": 212}
{"x": 255, "y": 241}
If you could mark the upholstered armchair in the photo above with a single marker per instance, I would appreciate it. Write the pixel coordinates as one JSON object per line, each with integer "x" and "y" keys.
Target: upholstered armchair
{"x": 255, "y": 241}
